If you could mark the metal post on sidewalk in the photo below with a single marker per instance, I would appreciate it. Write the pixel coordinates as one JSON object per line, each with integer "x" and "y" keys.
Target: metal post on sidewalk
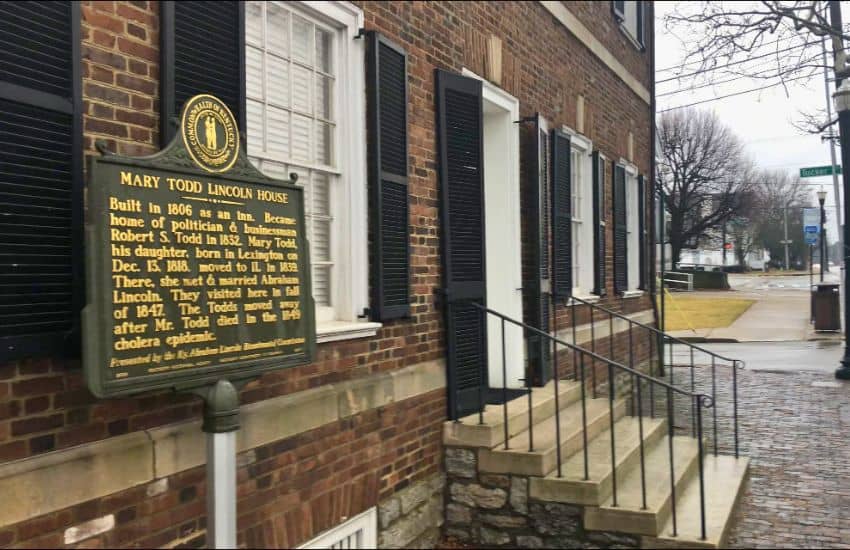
{"x": 842, "y": 106}
{"x": 221, "y": 421}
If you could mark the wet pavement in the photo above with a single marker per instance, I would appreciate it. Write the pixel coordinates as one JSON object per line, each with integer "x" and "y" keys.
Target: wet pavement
{"x": 812, "y": 356}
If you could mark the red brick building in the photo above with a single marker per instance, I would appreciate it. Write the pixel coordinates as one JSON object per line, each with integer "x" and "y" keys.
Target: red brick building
{"x": 451, "y": 152}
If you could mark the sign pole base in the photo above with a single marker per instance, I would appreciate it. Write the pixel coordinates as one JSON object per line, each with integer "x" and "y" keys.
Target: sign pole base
{"x": 221, "y": 420}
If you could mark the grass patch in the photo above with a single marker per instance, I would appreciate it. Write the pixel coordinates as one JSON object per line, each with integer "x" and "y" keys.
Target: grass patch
{"x": 685, "y": 311}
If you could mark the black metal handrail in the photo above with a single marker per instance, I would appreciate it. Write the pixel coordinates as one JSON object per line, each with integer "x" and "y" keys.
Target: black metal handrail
{"x": 698, "y": 399}
{"x": 736, "y": 363}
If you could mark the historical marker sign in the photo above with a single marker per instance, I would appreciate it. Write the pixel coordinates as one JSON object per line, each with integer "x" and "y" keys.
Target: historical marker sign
{"x": 197, "y": 264}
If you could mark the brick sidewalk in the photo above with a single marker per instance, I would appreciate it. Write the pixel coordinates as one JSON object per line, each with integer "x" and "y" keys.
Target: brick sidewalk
{"x": 798, "y": 438}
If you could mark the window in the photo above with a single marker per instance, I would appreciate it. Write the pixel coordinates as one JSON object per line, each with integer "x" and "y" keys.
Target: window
{"x": 582, "y": 213}
{"x": 631, "y": 16}
{"x": 305, "y": 111}
{"x": 40, "y": 179}
{"x": 361, "y": 531}
{"x": 633, "y": 213}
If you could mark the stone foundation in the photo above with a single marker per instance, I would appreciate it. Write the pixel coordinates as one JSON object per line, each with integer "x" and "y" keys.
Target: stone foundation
{"x": 412, "y": 517}
{"x": 495, "y": 510}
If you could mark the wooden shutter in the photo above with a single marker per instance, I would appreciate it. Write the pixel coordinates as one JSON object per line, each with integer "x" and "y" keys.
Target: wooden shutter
{"x": 562, "y": 262}
{"x": 641, "y": 214}
{"x": 598, "y": 224}
{"x": 386, "y": 87}
{"x": 461, "y": 174}
{"x": 202, "y": 52}
{"x": 621, "y": 233}
{"x": 40, "y": 179}
{"x": 536, "y": 286}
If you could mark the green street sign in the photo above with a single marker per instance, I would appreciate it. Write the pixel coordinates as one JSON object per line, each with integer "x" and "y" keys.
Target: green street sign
{"x": 816, "y": 171}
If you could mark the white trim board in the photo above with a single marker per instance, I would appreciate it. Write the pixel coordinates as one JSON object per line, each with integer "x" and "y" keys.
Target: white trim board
{"x": 586, "y": 37}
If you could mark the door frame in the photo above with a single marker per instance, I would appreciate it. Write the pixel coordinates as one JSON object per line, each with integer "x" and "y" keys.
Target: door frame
{"x": 515, "y": 368}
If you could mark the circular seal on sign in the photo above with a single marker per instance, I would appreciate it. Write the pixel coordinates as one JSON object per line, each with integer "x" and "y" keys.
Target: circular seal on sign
{"x": 210, "y": 133}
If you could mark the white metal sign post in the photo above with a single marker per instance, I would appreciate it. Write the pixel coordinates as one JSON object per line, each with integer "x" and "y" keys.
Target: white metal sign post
{"x": 221, "y": 421}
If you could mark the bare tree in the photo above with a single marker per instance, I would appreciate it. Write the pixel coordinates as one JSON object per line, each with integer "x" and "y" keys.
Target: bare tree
{"x": 703, "y": 170}
{"x": 778, "y": 195}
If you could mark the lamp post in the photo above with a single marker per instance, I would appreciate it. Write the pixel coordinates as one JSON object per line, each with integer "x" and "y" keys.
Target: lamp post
{"x": 842, "y": 107}
{"x": 821, "y": 201}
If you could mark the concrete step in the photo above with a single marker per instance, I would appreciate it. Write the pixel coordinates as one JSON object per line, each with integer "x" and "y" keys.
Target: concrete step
{"x": 572, "y": 488}
{"x": 543, "y": 458}
{"x": 724, "y": 484}
{"x": 627, "y": 516}
{"x": 470, "y": 433}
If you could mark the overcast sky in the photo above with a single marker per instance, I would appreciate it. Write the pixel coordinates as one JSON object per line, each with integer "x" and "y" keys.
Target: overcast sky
{"x": 761, "y": 119}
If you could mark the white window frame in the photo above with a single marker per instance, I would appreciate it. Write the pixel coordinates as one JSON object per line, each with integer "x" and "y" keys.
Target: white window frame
{"x": 367, "y": 525}
{"x": 633, "y": 214}
{"x": 582, "y": 240}
{"x": 348, "y": 195}
{"x": 629, "y": 22}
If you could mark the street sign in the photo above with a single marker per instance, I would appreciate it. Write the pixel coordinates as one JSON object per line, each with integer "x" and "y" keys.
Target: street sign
{"x": 197, "y": 264}
{"x": 812, "y": 238}
{"x": 816, "y": 171}
{"x": 811, "y": 220}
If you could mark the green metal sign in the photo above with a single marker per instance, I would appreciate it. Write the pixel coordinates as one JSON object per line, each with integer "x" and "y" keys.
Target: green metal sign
{"x": 197, "y": 265}
{"x": 816, "y": 171}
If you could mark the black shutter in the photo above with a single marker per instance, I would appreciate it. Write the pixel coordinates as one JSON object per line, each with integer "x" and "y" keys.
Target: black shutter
{"x": 562, "y": 262}
{"x": 40, "y": 179}
{"x": 621, "y": 233}
{"x": 202, "y": 52}
{"x": 387, "y": 117}
{"x": 642, "y": 252}
{"x": 461, "y": 173}
{"x": 536, "y": 287}
{"x": 598, "y": 224}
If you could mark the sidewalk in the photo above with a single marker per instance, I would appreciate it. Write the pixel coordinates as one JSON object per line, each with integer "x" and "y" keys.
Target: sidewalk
{"x": 772, "y": 318}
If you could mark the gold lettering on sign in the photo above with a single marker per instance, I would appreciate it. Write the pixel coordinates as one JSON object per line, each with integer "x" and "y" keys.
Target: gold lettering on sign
{"x": 188, "y": 278}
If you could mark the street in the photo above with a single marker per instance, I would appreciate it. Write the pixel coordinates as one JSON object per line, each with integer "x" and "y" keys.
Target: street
{"x": 780, "y": 357}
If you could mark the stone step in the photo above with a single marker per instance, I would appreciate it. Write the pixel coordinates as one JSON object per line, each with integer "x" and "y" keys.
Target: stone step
{"x": 572, "y": 488}
{"x": 627, "y": 516}
{"x": 724, "y": 484}
{"x": 542, "y": 459}
{"x": 468, "y": 432}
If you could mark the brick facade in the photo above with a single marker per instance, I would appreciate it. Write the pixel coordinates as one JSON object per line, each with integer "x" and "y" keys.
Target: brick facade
{"x": 297, "y": 487}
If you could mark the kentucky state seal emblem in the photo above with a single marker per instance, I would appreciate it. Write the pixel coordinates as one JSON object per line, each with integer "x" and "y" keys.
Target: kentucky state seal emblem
{"x": 210, "y": 133}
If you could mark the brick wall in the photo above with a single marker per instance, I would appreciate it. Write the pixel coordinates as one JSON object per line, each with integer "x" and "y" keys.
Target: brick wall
{"x": 44, "y": 405}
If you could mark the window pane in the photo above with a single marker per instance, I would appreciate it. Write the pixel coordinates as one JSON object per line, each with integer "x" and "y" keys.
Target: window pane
{"x": 277, "y": 88}
{"x": 301, "y": 79}
{"x": 302, "y": 40}
{"x": 321, "y": 194}
{"x": 323, "y": 96}
{"x": 255, "y": 127}
{"x": 324, "y": 143}
{"x": 321, "y": 240}
{"x": 277, "y": 22}
{"x": 301, "y": 137}
{"x": 323, "y": 50}
{"x": 321, "y": 285}
{"x": 254, "y": 73}
{"x": 277, "y": 139}
{"x": 254, "y": 23}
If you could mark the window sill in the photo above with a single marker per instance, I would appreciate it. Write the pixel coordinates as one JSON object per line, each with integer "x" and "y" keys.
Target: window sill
{"x": 632, "y": 294}
{"x": 590, "y": 298}
{"x": 333, "y": 331}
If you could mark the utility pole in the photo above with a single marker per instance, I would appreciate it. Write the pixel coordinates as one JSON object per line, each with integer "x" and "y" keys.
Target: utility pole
{"x": 842, "y": 107}
{"x": 724, "y": 246}
{"x": 835, "y": 192}
{"x": 786, "y": 242}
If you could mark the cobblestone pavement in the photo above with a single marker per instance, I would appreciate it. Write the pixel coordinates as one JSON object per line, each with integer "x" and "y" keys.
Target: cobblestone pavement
{"x": 795, "y": 427}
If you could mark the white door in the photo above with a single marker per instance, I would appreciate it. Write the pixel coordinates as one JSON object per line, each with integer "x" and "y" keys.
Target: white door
{"x": 502, "y": 234}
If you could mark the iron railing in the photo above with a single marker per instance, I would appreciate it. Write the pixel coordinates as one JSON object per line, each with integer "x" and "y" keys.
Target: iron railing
{"x": 662, "y": 338}
{"x": 579, "y": 375}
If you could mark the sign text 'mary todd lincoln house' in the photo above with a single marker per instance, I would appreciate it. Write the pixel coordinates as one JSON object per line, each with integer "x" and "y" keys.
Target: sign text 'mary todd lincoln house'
{"x": 417, "y": 239}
